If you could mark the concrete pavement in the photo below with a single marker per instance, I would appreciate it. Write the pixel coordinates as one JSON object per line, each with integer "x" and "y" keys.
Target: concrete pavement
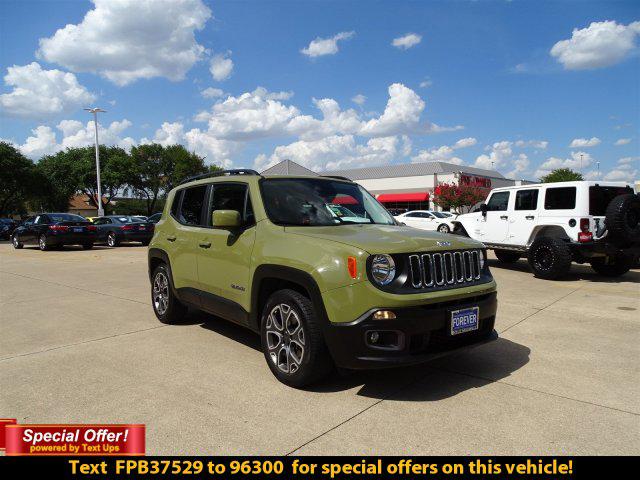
{"x": 79, "y": 343}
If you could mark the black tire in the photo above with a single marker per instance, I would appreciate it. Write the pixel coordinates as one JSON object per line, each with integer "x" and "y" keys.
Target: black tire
{"x": 550, "y": 258}
{"x": 17, "y": 244}
{"x": 444, "y": 228}
{"x": 507, "y": 256}
{"x": 172, "y": 311}
{"x": 623, "y": 219}
{"x": 87, "y": 246}
{"x": 112, "y": 239}
{"x": 612, "y": 266}
{"x": 280, "y": 352}
{"x": 43, "y": 244}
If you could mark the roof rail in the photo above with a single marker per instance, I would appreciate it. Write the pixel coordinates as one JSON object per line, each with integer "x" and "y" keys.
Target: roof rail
{"x": 337, "y": 177}
{"x": 221, "y": 173}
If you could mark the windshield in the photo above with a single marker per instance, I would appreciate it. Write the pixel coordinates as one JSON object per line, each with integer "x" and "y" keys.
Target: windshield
{"x": 311, "y": 202}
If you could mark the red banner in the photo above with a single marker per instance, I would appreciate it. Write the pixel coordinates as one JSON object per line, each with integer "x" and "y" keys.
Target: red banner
{"x": 3, "y": 423}
{"x": 75, "y": 440}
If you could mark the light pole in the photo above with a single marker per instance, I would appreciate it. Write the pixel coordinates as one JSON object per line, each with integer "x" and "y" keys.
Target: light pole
{"x": 95, "y": 126}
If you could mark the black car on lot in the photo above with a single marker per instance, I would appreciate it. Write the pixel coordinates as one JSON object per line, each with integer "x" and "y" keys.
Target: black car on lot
{"x": 116, "y": 229}
{"x": 155, "y": 218}
{"x": 50, "y": 230}
{"x": 7, "y": 226}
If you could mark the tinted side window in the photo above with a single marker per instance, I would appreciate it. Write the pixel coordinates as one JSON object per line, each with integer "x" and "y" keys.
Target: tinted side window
{"x": 498, "y": 202}
{"x": 192, "y": 203}
{"x": 526, "y": 200}
{"x": 231, "y": 196}
{"x": 176, "y": 203}
{"x": 561, "y": 198}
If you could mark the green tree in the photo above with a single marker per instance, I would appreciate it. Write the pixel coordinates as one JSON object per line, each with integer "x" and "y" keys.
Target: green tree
{"x": 562, "y": 175}
{"x": 157, "y": 169}
{"x": 17, "y": 180}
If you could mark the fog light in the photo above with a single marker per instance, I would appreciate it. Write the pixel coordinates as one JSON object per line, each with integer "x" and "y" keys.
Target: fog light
{"x": 384, "y": 315}
{"x": 374, "y": 337}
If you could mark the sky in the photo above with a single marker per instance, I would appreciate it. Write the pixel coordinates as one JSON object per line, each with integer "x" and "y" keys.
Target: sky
{"x": 520, "y": 86}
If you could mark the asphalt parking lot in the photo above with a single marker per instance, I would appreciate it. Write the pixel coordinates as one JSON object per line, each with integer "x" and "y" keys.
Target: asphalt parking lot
{"x": 79, "y": 343}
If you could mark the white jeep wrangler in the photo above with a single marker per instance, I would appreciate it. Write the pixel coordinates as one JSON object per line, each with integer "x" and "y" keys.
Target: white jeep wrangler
{"x": 554, "y": 224}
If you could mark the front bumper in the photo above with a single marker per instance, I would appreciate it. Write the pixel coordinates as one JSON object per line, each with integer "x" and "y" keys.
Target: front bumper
{"x": 418, "y": 334}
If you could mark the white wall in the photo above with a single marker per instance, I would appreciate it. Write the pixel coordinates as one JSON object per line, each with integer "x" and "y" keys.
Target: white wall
{"x": 421, "y": 183}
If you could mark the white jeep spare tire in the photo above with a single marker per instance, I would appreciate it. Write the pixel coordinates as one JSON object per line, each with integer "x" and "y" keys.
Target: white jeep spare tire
{"x": 623, "y": 219}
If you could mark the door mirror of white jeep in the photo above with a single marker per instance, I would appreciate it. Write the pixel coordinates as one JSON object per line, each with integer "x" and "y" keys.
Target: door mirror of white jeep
{"x": 483, "y": 209}
{"x": 225, "y": 219}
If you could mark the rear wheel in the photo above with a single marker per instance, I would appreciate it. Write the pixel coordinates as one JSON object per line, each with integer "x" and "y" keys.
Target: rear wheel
{"x": 444, "y": 228}
{"x": 17, "y": 244}
{"x": 112, "y": 240}
{"x": 43, "y": 244}
{"x": 166, "y": 305}
{"x": 550, "y": 258}
{"x": 507, "y": 256}
{"x": 292, "y": 341}
{"x": 612, "y": 266}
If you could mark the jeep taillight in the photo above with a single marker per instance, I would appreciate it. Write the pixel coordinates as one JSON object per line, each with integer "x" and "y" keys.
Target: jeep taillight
{"x": 584, "y": 235}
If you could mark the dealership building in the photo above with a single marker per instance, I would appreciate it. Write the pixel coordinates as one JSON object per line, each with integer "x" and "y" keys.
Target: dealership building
{"x": 409, "y": 185}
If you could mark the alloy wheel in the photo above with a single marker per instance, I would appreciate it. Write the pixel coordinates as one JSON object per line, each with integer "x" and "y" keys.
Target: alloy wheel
{"x": 443, "y": 229}
{"x": 161, "y": 293}
{"x": 111, "y": 240}
{"x": 42, "y": 242}
{"x": 543, "y": 258}
{"x": 285, "y": 338}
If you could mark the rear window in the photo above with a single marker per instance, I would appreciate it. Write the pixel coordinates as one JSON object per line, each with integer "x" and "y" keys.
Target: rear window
{"x": 561, "y": 198}
{"x": 526, "y": 200}
{"x": 191, "y": 207}
{"x": 66, "y": 217}
{"x": 600, "y": 197}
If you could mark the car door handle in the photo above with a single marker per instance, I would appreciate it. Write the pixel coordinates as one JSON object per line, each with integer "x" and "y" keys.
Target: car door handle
{"x": 530, "y": 217}
{"x": 171, "y": 239}
{"x": 205, "y": 244}
{"x": 503, "y": 217}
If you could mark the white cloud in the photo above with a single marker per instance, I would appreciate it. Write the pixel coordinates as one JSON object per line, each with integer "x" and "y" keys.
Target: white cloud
{"x": 283, "y": 95}
{"x": 520, "y": 166}
{"x": 601, "y": 44}
{"x": 584, "y": 142}
{"x": 42, "y": 142}
{"x": 500, "y": 156}
{"x": 444, "y": 153}
{"x": 359, "y": 99}
{"x": 335, "y": 152}
{"x": 538, "y": 144}
{"x": 407, "y": 41}
{"x": 126, "y": 40}
{"x": 628, "y": 160}
{"x": 326, "y": 46}
{"x": 426, "y": 83}
{"x": 212, "y": 92}
{"x": 221, "y": 67}
{"x": 401, "y": 115}
{"x": 622, "y": 173}
{"x": 622, "y": 141}
{"x": 577, "y": 161}
{"x": 39, "y": 93}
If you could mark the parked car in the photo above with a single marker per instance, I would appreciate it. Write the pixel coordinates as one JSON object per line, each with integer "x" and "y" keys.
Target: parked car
{"x": 91, "y": 219}
{"x": 426, "y": 220}
{"x": 155, "y": 218}
{"x": 51, "y": 230}
{"x": 553, "y": 224}
{"x": 116, "y": 229}
{"x": 322, "y": 289}
{"x": 7, "y": 226}
{"x": 140, "y": 218}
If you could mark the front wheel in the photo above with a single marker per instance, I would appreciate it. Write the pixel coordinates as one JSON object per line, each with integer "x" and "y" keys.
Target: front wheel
{"x": 166, "y": 305}
{"x": 17, "y": 244}
{"x": 550, "y": 258}
{"x": 444, "y": 228}
{"x": 507, "y": 256}
{"x": 292, "y": 340}
{"x": 612, "y": 266}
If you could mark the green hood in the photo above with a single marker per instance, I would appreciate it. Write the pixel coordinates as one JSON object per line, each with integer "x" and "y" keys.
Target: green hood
{"x": 386, "y": 238}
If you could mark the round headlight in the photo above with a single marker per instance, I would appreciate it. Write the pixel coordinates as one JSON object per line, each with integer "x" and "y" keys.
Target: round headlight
{"x": 383, "y": 269}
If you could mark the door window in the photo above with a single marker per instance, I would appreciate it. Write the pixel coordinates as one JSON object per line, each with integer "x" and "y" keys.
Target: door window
{"x": 526, "y": 200}
{"x": 560, "y": 198}
{"x": 232, "y": 196}
{"x": 498, "y": 202}
{"x": 191, "y": 206}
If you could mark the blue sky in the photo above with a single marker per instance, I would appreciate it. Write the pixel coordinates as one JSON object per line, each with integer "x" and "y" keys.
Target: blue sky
{"x": 522, "y": 86}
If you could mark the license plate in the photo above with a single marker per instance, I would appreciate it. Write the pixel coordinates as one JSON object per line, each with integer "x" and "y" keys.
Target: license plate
{"x": 464, "y": 320}
{"x": 80, "y": 229}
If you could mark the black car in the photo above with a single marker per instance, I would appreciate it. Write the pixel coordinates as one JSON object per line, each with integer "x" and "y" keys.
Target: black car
{"x": 116, "y": 229}
{"x": 155, "y": 218}
{"x": 50, "y": 230}
{"x": 7, "y": 226}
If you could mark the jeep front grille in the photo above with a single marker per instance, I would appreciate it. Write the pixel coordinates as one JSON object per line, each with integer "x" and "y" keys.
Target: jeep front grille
{"x": 430, "y": 270}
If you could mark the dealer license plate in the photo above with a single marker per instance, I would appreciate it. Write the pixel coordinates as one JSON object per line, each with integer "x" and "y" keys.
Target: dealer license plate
{"x": 464, "y": 320}
{"x": 79, "y": 229}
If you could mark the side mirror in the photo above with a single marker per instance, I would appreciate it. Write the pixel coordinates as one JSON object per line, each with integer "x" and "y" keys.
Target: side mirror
{"x": 483, "y": 209}
{"x": 228, "y": 219}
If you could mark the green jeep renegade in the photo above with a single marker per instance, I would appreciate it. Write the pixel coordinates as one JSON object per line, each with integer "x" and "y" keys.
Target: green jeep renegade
{"x": 321, "y": 270}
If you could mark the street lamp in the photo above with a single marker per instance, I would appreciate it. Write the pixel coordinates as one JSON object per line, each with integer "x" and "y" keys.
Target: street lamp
{"x": 95, "y": 125}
